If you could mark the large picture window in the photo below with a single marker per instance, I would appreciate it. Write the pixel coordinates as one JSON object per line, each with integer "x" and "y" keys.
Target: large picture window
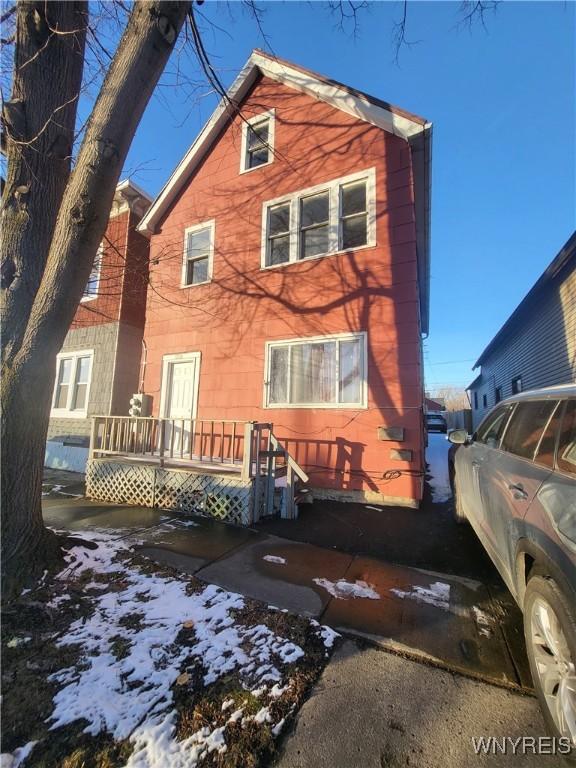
{"x": 198, "y": 254}
{"x": 73, "y": 374}
{"x": 326, "y": 372}
{"x": 329, "y": 218}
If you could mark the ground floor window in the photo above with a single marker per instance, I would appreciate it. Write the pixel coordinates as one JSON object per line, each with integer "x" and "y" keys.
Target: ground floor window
{"x": 328, "y": 371}
{"x": 73, "y": 374}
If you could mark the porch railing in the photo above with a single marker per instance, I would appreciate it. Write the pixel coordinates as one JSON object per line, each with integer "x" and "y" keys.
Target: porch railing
{"x": 250, "y": 446}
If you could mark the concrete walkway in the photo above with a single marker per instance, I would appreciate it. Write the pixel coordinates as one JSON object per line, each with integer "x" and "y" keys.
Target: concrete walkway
{"x": 377, "y": 710}
{"x": 450, "y": 621}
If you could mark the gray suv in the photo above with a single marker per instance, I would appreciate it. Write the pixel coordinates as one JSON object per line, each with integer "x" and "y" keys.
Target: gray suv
{"x": 515, "y": 482}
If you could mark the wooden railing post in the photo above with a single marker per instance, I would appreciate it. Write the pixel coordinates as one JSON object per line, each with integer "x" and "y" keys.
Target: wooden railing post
{"x": 161, "y": 442}
{"x": 247, "y": 456}
{"x": 93, "y": 435}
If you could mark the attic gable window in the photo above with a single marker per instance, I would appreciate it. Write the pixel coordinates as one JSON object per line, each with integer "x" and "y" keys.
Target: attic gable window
{"x": 198, "y": 254}
{"x": 93, "y": 284}
{"x": 257, "y": 142}
{"x": 324, "y": 220}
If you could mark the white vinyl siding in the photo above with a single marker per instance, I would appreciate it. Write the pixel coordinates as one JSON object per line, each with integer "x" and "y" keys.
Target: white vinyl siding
{"x": 317, "y": 372}
{"x": 198, "y": 254}
{"x": 323, "y": 220}
{"x": 72, "y": 386}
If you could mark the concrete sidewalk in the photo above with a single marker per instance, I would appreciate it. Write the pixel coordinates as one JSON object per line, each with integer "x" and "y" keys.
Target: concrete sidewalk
{"x": 450, "y": 621}
{"x": 374, "y": 710}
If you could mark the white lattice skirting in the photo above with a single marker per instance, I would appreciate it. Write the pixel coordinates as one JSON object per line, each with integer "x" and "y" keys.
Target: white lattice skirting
{"x": 218, "y": 496}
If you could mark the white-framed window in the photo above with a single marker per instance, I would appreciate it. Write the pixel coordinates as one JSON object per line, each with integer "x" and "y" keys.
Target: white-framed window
{"x": 322, "y": 220}
{"x": 198, "y": 254}
{"x": 317, "y": 372}
{"x": 72, "y": 387}
{"x": 93, "y": 284}
{"x": 257, "y": 141}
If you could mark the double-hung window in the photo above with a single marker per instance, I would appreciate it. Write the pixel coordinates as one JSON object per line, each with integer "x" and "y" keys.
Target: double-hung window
{"x": 93, "y": 284}
{"x": 257, "y": 141}
{"x": 198, "y": 254}
{"x": 323, "y": 372}
{"x": 314, "y": 225}
{"x": 73, "y": 374}
{"x": 326, "y": 219}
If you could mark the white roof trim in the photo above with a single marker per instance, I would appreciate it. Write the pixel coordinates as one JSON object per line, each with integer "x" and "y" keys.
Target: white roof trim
{"x": 353, "y": 104}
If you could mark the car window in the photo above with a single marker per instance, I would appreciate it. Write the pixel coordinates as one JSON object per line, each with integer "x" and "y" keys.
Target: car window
{"x": 567, "y": 444}
{"x": 526, "y": 427}
{"x": 547, "y": 448}
{"x": 491, "y": 429}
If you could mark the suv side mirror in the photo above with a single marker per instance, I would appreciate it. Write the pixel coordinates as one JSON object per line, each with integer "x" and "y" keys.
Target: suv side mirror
{"x": 459, "y": 437}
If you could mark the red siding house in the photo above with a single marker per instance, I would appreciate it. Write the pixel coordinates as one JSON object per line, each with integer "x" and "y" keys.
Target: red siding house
{"x": 97, "y": 370}
{"x": 288, "y": 295}
{"x": 290, "y": 272}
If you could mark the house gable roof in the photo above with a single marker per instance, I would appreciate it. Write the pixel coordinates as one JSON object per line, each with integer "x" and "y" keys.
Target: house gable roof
{"x": 567, "y": 255}
{"x": 414, "y": 129}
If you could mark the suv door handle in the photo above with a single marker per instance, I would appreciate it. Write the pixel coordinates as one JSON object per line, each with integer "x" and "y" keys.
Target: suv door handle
{"x": 518, "y": 491}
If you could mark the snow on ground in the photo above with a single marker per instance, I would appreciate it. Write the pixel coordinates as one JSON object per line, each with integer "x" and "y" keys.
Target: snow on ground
{"x": 129, "y": 695}
{"x": 17, "y": 757}
{"x": 274, "y": 559}
{"x": 344, "y": 590}
{"x": 437, "y": 460}
{"x": 438, "y": 594}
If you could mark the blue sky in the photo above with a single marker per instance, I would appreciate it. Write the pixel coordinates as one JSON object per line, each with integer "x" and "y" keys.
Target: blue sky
{"x": 502, "y": 101}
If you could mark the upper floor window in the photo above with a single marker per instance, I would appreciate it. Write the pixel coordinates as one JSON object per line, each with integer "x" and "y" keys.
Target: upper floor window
{"x": 198, "y": 254}
{"x": 325, "y": 372}
{"x": 326, "y": 219}
{"x": 517, "y": 385}
{"x": 497, "y": 394}
{"x": 73, "y": 374}
{"x": 257, "y": 141}
{"x": 93, "y": 284}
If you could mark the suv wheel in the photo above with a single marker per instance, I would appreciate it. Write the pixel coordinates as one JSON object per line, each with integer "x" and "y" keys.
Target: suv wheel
{"x": 550, "y": 632}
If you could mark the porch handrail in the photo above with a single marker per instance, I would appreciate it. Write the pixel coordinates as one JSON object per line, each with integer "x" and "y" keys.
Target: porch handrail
{"x": 198, "y": 440}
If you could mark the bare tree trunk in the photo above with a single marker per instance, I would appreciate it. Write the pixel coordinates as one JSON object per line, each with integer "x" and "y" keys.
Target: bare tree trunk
{"x": 82, "y": 217}
{"x": 39, "y": 122}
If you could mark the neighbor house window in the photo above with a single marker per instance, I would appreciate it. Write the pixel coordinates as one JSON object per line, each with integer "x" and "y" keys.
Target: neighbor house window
{"x": 326, "y": 372}
{"x": 517, "y": 385}
{"x": 497, "y": 394}
{"x": 73, "y": 373}
{"x": 93, "y": 284}
{"x": 325, "y": 219}
{"x": 257, "y": 141}
{"x": 475, "y": 401}
{"x": 484, "y": 401}
{"x": 198, "y": 254}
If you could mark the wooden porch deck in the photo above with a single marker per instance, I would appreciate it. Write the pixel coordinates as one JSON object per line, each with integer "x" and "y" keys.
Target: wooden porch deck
{"x": 236, "y": 471}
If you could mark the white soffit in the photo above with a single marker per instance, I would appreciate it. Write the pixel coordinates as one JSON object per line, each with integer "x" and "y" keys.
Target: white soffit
{"x": 354, "y": 104}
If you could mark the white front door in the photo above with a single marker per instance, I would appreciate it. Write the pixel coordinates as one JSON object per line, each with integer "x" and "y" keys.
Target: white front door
{"x": 179, "y": 393}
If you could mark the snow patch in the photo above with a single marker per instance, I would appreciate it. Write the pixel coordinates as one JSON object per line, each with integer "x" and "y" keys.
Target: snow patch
{"x": 437, "y": 594}
{"x": 437, "y": 461}
{"x": 132, "y": 697}
{"x": 274, "y": 559}
{"x": 15, "y": 759}
{"x": 344, "y": 590}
